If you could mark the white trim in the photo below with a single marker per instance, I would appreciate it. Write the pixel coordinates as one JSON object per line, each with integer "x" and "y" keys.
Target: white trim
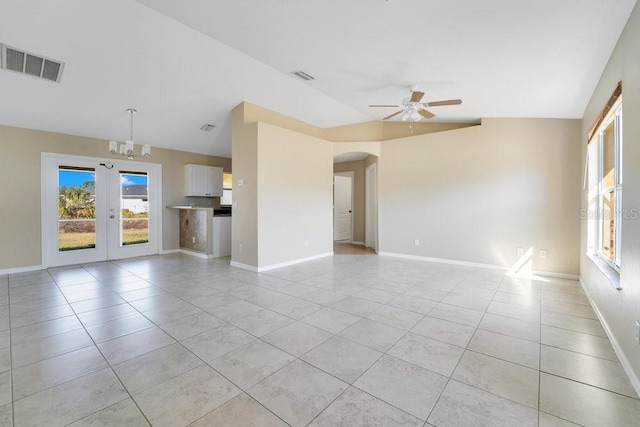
{"x": 169, "y": 251}
{"x": 477, "y": 265}
{"x": 633, "y": 377}
{"x": 243, "y": 266}
{"x": 21, "y": 269}
{"x": 280, "y": 265}
{"x": 443, "y": 261}
{"x": 357, "y": 243}
{"x": 558, "y": 275}
{"x": 196, "y": 254}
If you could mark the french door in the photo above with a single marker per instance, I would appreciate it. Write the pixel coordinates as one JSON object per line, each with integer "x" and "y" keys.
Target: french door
{"x": 97, "y": 210}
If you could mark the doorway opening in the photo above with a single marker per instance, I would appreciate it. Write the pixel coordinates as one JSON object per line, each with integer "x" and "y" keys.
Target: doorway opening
{"x": 355, "y": 228}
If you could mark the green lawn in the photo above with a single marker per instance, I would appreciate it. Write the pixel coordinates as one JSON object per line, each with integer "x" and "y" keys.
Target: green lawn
{"x": 73, "y": 241}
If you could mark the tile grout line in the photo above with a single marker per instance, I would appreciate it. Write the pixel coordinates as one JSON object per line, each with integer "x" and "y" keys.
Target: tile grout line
{"x": 105, "y": 360}
{"x": 334, "y": 335}
{"x": 540, "y": 358}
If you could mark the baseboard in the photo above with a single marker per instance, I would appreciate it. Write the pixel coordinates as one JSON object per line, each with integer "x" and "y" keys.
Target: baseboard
{"x": 557, "y": 275}
{"x": 633, "y": 377}
{"x": 280, "y": 265}
{"x": 195, "y": 254}
{"x": 294, "y": 262}
{"x": 21, "y": 269}
{"x": 244, "y": 266}
{"x": 170, "y": 251}
{"x": 443, "y": 261}
{"x": 357, "y": 243}
{"x": 476, "y": 265}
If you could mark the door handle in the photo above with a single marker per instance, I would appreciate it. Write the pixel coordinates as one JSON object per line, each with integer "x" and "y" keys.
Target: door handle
{"x": 112, "y": 216}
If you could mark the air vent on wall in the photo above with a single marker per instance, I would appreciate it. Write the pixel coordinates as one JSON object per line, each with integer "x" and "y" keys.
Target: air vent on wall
{"x": 303, "y": 75}
{"x": 207, "y": 127}
{"x": 28, "y": 63}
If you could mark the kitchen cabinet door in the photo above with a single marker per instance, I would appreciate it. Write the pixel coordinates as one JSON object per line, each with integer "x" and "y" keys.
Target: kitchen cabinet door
{"x": 202, "y": 181}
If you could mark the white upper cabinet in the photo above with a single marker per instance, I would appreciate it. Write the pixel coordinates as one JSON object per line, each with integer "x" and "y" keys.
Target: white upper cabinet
{"x": 202, "y": 181}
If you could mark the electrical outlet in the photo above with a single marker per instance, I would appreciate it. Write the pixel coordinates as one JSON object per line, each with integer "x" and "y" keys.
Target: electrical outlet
{"x": 637, "y": 332}
{"x": 209, "y": 202}
{"x": 417, "y": 242}
{"x": 306, "y": 243}
{"x": 193, "y": 239}
{"x": 240, "y": 247}
{"x": 543, "y": 253}
{"x": 520, "y": 251}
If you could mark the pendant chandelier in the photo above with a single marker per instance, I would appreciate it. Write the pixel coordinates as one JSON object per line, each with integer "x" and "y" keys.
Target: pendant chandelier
{"x": 126, "y": 148}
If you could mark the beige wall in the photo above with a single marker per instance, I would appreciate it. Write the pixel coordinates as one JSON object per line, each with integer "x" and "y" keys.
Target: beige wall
{"x": 477, "y": 194}
{"x": 358, "y": 206}
{"x": 620, "y": 308}
{"x": 367, "y": 147}
{"x": 287, "y": 196}
{"x": 20, "y": 187}
{"x": 244, "y": 225}
{"x": 253, "y": 113}
{"x": 295, "y": 193}
{"x": 357, "y": 132}
{"x": 394, "y": 130}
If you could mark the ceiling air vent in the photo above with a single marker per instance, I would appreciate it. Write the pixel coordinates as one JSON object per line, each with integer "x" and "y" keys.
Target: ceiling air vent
{"x": 28, "y": 63}
{"x": 207, "y": 127}
{"x": 303, "y": 75}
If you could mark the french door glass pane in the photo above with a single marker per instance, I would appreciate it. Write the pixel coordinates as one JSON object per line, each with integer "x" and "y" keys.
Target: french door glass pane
{"x": 134, "y": 208}
{"x": 608, "y": 225}
{"x": 76, "y": 208}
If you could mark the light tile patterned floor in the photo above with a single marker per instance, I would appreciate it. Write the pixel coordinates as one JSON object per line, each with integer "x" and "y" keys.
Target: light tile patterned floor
{"x": 349, "y": 340}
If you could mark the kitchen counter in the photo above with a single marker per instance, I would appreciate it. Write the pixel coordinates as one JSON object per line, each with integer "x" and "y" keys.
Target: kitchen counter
{"x": 203, "y": 231}
{"x": 189, "y": 207}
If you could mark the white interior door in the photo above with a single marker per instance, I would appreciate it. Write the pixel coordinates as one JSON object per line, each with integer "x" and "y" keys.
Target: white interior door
{"x": 342, "y": 207}
{"x": 95, "y": 210}
{"x": 371, "y": 206}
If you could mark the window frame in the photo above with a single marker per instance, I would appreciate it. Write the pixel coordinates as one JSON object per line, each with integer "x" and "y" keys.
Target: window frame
{"x": 614, "y": 115}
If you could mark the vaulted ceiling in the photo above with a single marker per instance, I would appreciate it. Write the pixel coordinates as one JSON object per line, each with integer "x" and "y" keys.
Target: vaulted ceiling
{"x": 182, "y": 64}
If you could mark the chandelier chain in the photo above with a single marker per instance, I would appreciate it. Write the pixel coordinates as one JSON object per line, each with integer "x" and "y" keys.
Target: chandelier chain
{"x": 131, "y": 112}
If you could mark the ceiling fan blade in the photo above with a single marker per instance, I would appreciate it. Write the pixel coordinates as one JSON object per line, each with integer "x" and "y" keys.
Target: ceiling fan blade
{"x": 447, "y": 102}
{"x": 393, "y": 115}
{"x": 426, "y": 114}
{"x": 383, "y": 105}
{"x": 416, "y": 96}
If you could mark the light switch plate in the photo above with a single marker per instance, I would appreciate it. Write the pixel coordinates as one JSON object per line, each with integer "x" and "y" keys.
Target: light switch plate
{"x": 637, "y": 332}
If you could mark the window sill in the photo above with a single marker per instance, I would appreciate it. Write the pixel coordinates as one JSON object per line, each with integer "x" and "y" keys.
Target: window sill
{"x": 609, "y": 272}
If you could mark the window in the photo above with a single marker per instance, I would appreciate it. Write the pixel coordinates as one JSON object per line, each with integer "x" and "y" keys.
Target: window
{"x": 605, "y": 182}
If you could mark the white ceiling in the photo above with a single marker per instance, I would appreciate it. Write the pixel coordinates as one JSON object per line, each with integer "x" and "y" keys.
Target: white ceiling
{"x": 183, "y": 64}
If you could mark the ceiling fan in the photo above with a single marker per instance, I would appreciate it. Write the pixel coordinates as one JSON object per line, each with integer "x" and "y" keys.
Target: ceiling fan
{"x": 415, "y": 110}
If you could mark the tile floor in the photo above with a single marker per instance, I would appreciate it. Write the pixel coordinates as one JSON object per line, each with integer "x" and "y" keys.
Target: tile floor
{"x": 343, "y": 341}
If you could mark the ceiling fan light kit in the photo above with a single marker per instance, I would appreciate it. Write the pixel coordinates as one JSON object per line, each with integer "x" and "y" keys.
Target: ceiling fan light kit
{"x": 126, "y": 149}
{"x": 413, "y": 109}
